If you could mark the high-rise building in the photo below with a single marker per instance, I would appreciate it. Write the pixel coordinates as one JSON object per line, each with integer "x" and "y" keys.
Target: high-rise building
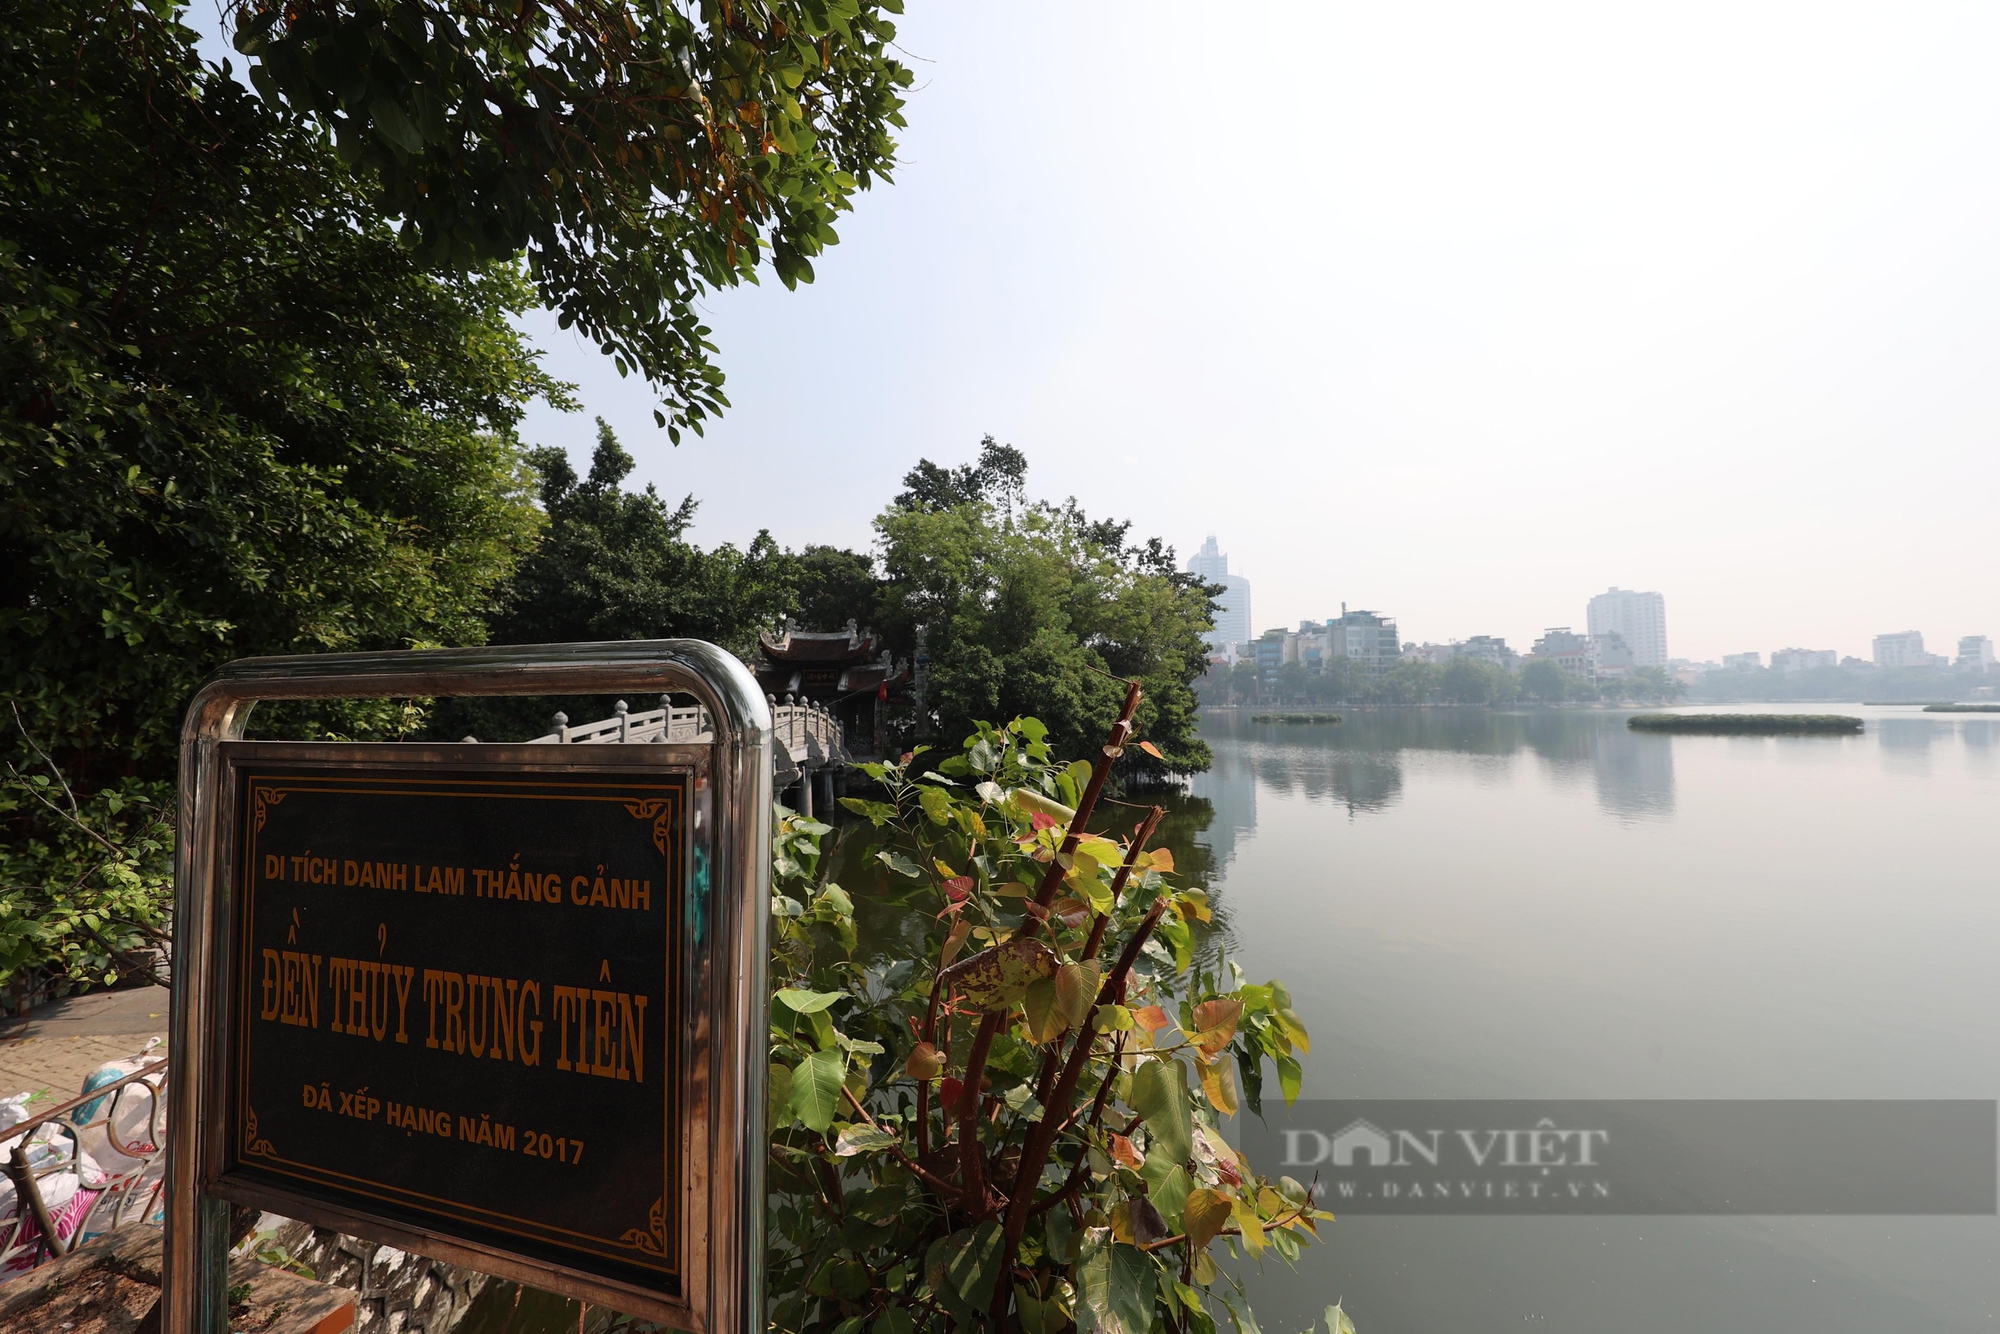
{"x": 1368, "y": 638}
{"x": 1614, "y": 655}
{"x": 1803, "y": 659}
{"x": 1232, "y": 607}
{"x": 1271, "y": 651}
{"x": 1905, "y": 648}
{"x": 1742, "y": 662}
{"x": 1976, "y": 652}
{"x": 1489, "y": 648}
{"x": 1574, "y": 654}
{"x": 1640, "y": 619}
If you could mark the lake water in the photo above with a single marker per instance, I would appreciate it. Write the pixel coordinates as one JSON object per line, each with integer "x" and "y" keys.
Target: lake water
{"x": 1544, "y": 904}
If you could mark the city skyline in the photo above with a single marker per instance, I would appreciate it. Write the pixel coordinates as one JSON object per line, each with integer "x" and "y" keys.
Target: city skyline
{"x": 1636, "y": 616}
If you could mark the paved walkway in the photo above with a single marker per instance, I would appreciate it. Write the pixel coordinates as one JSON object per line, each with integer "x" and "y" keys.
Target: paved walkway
{"x": 56, "y": 1046}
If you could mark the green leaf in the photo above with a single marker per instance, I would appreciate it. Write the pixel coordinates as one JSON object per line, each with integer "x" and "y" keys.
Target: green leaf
{"x": 972, "y": 1263}
{"x": 895, "y": 1320}
{"x": 863, "y": 1138}
{"x": 1096, "y": 893}
{"x": 1170, "y": 1196}
{"x": 900, "y": 864}
{"x": 1073, "y": 780}
{"x": 393, "y": 125}
{"x": 1116, "y": 1286}
{"x": 1246, "y": 1319}
{"x": 808, "y": 1002}
{"x": 779, "y": 1104}
{"x": 1076, "y": 991}
{"x": 1160, "y": 1094}
{"x": 1039, "y": 1006}
{"x": 877, "y": 813}
{"x": 1250, "y": 1073}
{"x": 1337, "y": 1321}
{"x": 1291, "y": 1077}
{"x": 816, "y": 1088}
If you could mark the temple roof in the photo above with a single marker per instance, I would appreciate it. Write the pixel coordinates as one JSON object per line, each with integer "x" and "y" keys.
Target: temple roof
{"x": 847, "y": 645}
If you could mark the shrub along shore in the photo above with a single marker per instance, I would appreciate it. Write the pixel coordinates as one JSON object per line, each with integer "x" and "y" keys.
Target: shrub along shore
{"x": 1754, "y": 724}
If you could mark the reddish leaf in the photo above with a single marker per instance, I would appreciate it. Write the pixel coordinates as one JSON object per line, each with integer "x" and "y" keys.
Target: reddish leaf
{"x": 1215, "y": 1023}
{"x": 925, "y": 1062}
{"x": 1073, "y": 912}
{"x": 953, "y": 943}
{"x": 958, "y": 888}
{"x": 1123, "y": 1152}
{"x": 1152, "y": 750}
{"x": 950, "y": 1091}
{"x": 1040, "y": 821}
{"x": 1151, "y": 1018}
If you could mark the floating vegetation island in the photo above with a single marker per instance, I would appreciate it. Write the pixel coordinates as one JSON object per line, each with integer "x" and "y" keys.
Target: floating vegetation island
{"x": 1748, "y": 724}
{"x": 1295, "y": 718}
{"x": 1962, "y": 708}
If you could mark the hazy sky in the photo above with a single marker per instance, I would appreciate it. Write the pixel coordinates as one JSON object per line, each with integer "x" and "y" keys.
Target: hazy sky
{"x": 1460, "y": 313}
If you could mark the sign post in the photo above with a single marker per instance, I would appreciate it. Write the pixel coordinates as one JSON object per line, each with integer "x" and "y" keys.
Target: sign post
{"x": 499, "y": 1004}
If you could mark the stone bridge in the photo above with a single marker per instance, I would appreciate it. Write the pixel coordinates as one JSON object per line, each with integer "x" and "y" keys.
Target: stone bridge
{"x": 808, "y": 743}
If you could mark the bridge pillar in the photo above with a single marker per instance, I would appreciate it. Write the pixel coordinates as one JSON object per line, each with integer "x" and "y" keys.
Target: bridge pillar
{"x": 806, "y": 793}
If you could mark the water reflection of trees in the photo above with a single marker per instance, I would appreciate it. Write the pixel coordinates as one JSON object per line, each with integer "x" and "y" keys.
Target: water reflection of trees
{"x": 1358, "y": 763}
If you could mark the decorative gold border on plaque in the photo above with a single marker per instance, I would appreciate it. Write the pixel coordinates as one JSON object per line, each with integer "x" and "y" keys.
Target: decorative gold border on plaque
{"x": 657, "y": 812}
{"x": 264, "y": 796}
{"x": 254, "y": 1147}
{"x": 653, "y": 1240}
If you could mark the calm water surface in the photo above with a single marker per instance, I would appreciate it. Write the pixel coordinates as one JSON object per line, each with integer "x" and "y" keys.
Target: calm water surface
{"x": 1473, "y": 904}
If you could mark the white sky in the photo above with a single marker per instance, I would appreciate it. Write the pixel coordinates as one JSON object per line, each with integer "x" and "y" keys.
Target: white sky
{"x": 1460, "y": 313}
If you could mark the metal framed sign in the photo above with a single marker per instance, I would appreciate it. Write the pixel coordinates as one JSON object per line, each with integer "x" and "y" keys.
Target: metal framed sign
{"x": 500, "y": 1004}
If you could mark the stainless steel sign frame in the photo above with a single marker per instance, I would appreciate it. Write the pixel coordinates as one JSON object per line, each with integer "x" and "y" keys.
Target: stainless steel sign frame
{"x": 345, "y": 889}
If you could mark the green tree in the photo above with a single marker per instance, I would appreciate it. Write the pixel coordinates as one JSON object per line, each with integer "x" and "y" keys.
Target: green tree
{"x": 1470, "y": 681}
{"x": 1653, "y": 683}
{"x": 1243, "y": 681}
{"x": 1293, "y": 682}
{"x": 1542, "y": 680}
{"x": 640, "y": 155}
{"x": 237, "y": 416}
{"x": 1029, "y": 606}
{"x": 1342, "y": 680}
{"x": 617, "y": 564}
{"x": 1409, "y": 682}
{"x": 830, "y": 585}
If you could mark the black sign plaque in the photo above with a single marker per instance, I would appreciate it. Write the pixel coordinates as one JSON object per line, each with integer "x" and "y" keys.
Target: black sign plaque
{"x": 456, "y": 1002}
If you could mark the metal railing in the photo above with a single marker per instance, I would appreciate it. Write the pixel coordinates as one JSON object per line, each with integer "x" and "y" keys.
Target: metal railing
{"x": 807, "y": 731}
{"x": 114, "y": 1154}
